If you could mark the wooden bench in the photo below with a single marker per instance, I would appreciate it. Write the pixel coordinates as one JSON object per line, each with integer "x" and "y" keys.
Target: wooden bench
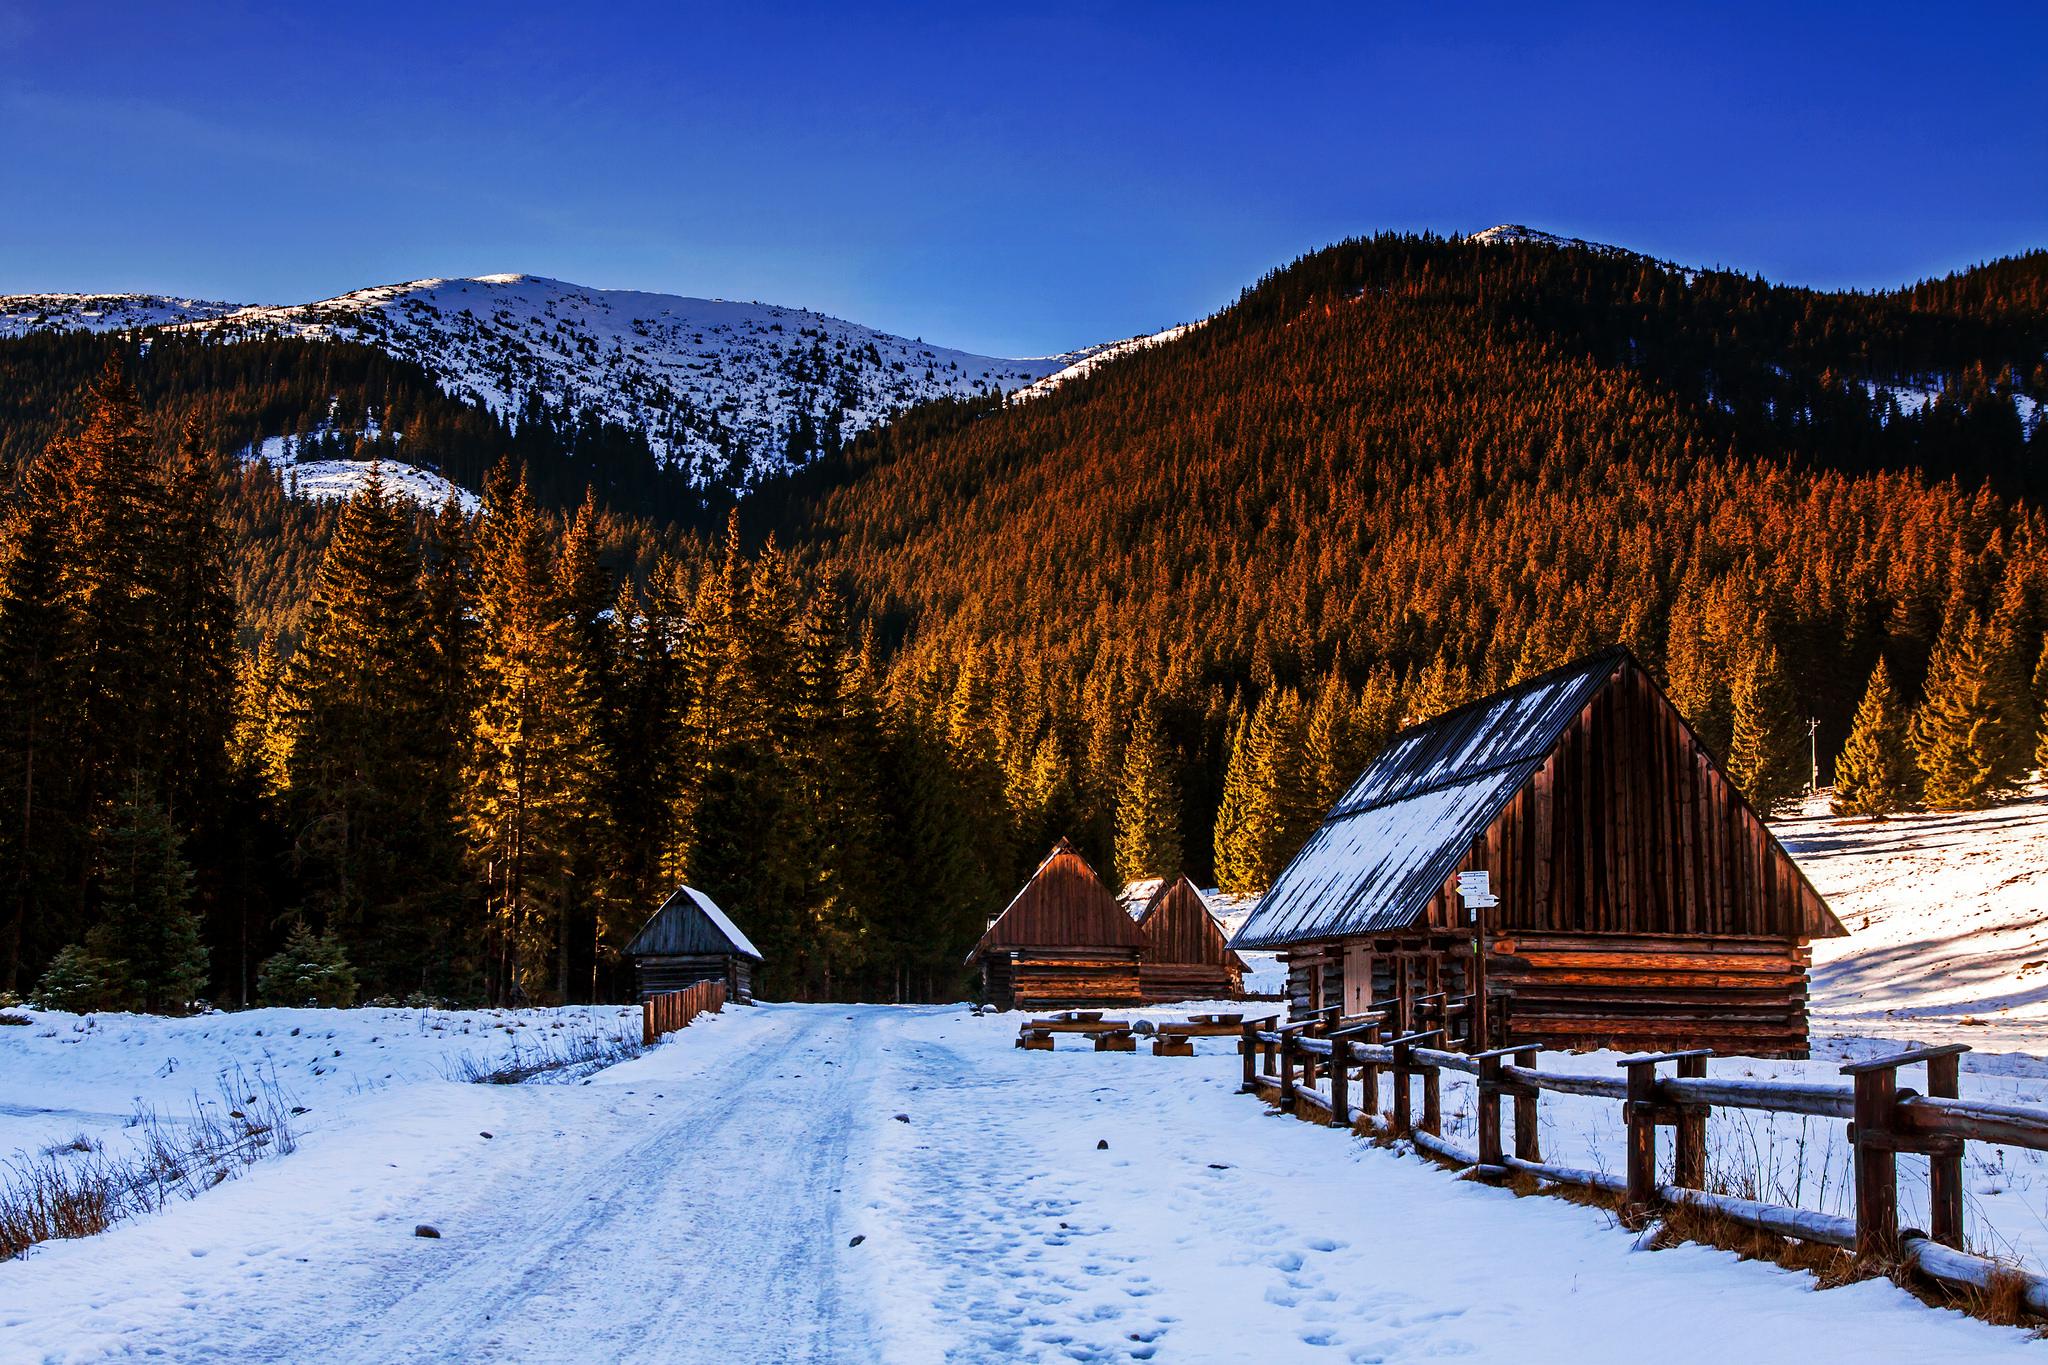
{"x": 1178, "y": 1040}
{"x": 1110, "y": 1035}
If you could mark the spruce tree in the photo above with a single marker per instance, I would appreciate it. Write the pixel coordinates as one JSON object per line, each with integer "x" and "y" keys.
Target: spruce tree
{"x": 1959, "y": 733}
{"x": 38, "y": 727}
{"x": 2041, "y": 711}
{"x": 528, "y": 785}
{"x": 369, "y": 757}
{"x": 310, "y": 969}
{"x": 1874, "y": 772}
{"x": 1766, "y": 758}
{"x": 147, "y": 939}
{"x": 1148, "y": 806}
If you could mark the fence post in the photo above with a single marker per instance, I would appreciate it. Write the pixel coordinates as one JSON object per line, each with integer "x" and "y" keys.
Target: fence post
{"x": 1340, "y": 1098}
{"x": 1640, "y": 1111}
{"x": 1690, "y": 1157}
{"x": 1489, "y": 1110}
{"x": 1526, "y": 1145}
{"x": 1432, "y": 1101}
{"x": 1401, "y": 1088}
{"x": 1249, "y": 1046}
{"x": 1287, "y": 1071}
{"x": 1369, "y": 1076}
{"x": 1945, "y": 1169}
{"x": 1877, "y": 1165}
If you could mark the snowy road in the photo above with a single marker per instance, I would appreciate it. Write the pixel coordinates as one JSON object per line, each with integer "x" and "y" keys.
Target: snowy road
{"x": 699, "y": 1203}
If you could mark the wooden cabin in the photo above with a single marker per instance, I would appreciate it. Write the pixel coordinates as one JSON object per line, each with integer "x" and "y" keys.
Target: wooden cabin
{"x": 1062, "y": 943}
{"x": 1642, "y": 903}
{"x": 690, "y": 940}
{"x": 1186, "y": 955}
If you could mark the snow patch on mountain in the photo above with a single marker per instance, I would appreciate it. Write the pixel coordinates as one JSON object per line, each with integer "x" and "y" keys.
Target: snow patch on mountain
{"x": 1094, "y": 358}
{"x": 1517, "y": 234}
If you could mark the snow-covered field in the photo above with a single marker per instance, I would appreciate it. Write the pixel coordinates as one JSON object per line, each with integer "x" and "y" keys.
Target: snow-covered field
{"x": 837, "y": 1183}
{"x": 853, "y": 1183}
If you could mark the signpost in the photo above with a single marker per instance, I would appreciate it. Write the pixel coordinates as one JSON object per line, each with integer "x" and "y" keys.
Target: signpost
{"x": 1475, "y": 889}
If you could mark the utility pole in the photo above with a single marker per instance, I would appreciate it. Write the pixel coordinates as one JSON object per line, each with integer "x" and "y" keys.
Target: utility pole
{"x": 1813, "y": 755}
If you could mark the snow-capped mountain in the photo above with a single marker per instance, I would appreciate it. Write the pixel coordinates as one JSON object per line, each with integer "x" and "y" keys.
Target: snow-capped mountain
{"x": 24, "y": 313}
{"x": 727, "y": 392}
{"x": 1517, "y": 234}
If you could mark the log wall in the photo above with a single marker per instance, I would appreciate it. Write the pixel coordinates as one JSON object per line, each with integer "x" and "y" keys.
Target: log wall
{"x": 1060, "y": 979}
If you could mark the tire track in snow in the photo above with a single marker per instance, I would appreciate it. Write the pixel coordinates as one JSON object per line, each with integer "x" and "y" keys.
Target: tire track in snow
{"x": 711, "y": 1235}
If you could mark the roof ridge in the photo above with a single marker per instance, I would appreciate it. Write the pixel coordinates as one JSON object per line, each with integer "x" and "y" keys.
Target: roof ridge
{"x": 1616, "y": 651}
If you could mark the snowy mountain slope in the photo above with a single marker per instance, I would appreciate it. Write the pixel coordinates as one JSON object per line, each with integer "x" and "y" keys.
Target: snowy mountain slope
{"x": 1094, "y": 358}
{"x": 728, "y": 392}
{"x": 329, "y": 480}
{"x": 1517, "y": 234}
{"x": 1948, "y": 923}
{"x": 21, "y": 314}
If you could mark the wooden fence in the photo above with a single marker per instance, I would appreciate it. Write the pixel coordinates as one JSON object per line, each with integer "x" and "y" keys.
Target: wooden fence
{"x": 1313, "y": 1064}
{"x": 671, "y": 1010}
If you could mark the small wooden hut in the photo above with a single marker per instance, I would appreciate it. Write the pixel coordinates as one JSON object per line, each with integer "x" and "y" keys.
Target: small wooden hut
{"x": 690, "y": 940}
{"x": 1185, "y": 956}
{"x": 1062, "y": 943}
{"x": 1642, "y": 902}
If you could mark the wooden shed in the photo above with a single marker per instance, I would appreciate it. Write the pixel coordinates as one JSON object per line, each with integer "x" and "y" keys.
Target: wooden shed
{"x": 1063, "y": 942}
{"x": 1643, "y": 903}
{"x": 1185, "y": 956}
{"x": 690, "y": 940}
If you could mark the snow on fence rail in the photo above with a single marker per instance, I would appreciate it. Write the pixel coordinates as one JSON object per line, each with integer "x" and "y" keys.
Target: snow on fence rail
{"x": 671, "y": 1010}
{"x": 1883, "y": 1119}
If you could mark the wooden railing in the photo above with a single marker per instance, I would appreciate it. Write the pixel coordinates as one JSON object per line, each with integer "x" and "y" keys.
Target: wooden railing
{"x": 1883, "y": 1120}
{"x": 671, "y": 1010}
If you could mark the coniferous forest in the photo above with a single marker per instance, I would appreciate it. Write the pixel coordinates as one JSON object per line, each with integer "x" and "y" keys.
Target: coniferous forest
{"x": 252, "y": 747}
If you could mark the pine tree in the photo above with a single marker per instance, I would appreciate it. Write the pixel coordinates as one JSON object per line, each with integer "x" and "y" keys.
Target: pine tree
{"x": 1148, "y": 806}
{"x": 369, "y": 758}
{"x": 1958, "y": 733}
{"x": 147, "y": 939}
{"x": 38, "y": 724}
{"x": 2041, "y": 711}
{"x": 194, "y": 620}
{"x": 1874, "y": 773}
{"x": 528, "y": 784}
{"x": 1765, "y": 756}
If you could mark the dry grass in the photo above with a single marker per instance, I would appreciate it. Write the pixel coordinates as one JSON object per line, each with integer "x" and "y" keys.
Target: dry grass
{"x": 76, "y": 1189}
{"x": 563, "y": 1058}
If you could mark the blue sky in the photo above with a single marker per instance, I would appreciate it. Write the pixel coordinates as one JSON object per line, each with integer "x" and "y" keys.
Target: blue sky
{"x": 1013, "y": 179}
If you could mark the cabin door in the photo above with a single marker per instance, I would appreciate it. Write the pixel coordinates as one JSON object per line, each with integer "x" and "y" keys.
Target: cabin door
{"x": 1357, "y": 978}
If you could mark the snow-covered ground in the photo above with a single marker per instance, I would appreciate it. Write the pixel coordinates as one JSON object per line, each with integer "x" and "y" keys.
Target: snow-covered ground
{"x": 841, "y": 1183}
{"x": 855, "y": 1183}
{"x": 1948, "y": 924}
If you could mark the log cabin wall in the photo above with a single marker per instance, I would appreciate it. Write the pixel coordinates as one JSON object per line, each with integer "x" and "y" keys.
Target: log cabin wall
{"x": 1185, "y": 956}
{"x": 660, "y": 974}
{"x": 1061, "y": 979}
{"x": 1643, "y": 904}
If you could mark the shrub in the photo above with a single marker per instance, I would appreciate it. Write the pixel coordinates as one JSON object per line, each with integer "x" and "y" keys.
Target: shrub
{"x": 76, "y": 980}
{"x": 310, "y": 969}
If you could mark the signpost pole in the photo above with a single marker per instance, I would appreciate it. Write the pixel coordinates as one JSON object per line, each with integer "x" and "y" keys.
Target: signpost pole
{"x": 1475, "y": 889}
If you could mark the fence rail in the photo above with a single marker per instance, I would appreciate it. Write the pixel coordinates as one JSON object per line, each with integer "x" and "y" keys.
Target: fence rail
{"x": 1313, "y": 1064}
{"x": 671, "y": 1010}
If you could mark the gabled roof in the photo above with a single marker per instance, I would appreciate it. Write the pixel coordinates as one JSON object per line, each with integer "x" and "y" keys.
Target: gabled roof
{"x": 1177, "y": 914}
{"x": 1403, "y": 827}
{"x": 690, "y": 922}
{"x": 1064, "y": 905}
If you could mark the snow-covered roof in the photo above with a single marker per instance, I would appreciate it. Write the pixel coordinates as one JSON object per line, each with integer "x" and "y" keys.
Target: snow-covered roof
{"x": 1401, "y": 829}
{"x": 690, "y": 922}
